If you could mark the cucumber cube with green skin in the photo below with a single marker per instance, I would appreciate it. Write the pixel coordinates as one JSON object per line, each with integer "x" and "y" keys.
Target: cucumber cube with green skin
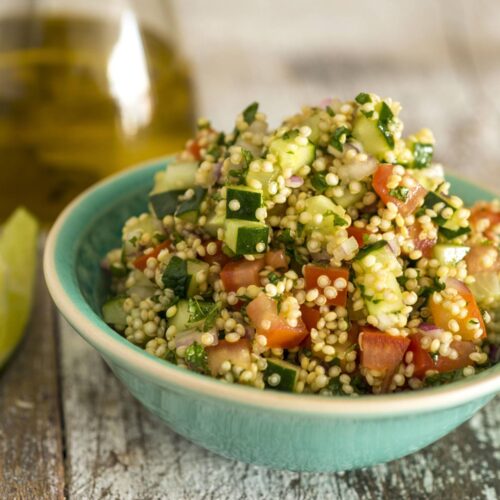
{"x": 180, "y": 276}
{"x": 183, "y": 319}
{"x": 290, "y": 154}
{"x": 114, "y": 314}
{"x": 286, "y": 374}
{"x": 247, "y": 200}
{"x": 245, "y": 237}
{"x": 374, "y": 134}
{"x": 194, "y": 266}
{"x": 175, "y": 177}
{"x": 165, "y": 203}
{"x": 214, "y": 223}
{"x": 380, "y": 289}
{"x": 189, "y": 210}
{"x": 333, "y": 216}
{"x": 450, "y": 255}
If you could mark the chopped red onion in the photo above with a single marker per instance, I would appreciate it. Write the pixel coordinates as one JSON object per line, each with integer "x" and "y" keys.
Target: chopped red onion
{"x": 325, "y": 102}
{"x": 294, "y": 181}
{"x": 430, "y": 330}
{"x": 346, "y": 249}
{"x": 190, "y": 337}
{"x": 394, "y": 246}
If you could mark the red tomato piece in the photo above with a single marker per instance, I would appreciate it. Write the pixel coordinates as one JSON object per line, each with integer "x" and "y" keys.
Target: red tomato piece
{"x": 220, "y": 257}
{"x": 237, "y": 353}
{"x": 276, "y": 259}
{"x": 194, "y": 148}
{"x": 141, "y": 261}
{"x": 381, "y": 351}
{"x": 425, "y": 245}
{"x": 359, "y": 234}
{"x": 478, "y": 256}
{"x": 312, "y": 273}
{"x": 464, "y": 349}
{"x": 240, "y": 273}
{"x": 262, "y": 310}
{"x": 484, "y": 210}
{"x": 416, "y": 193}
{"x": 310, "y": 316}
{"x": 422, "y": 360}
{"x": 442, "y": 316}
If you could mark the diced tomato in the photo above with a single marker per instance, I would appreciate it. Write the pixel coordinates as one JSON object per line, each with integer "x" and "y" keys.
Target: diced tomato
{"x": 381, "y": 351}
{"x": 416, "y": 193}
{"x": 312, "y": 273}
{"x": 310, "y": 316}
{"x": 425, "y": 245}
{"x": 194, "y": 148}
{"x": 280, "y": 333}
{"x": 276, "y": 259}
{"x": 240, "y": 273}
{"x": 359, "y": 234}
{"x": 477, "y": 257}
{"x": 141, "y": 261}
{"x": 483, "y": 210}
{"x": 442, "y": 316}
{"x": 422, "y": 360}
{"x": 463, "y": 349}
{"x": 220, "y": 257}
{"x": 237, "y": 353}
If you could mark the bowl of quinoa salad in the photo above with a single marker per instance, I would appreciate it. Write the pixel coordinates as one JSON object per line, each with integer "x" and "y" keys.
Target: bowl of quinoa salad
{"x": 324, "y": 271}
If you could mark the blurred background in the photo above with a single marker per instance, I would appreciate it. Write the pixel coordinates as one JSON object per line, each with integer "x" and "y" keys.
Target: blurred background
{"x": 89, "y": 87}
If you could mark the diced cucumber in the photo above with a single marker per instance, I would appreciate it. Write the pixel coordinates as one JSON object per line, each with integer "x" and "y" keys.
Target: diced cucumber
{"x": 313, "y": 123}
{"x": 450, "y": 255}
{"x": 194, "y": 266}
{"x": 430, "y": 177}
{"x": 214, "y": 223}
{"x": 284, "y": 375}
{"x": 191, "y": 314}
{"x": 450, "y": 228}
{"x": 165, "y": 203}
{"x": 189, "y": 210}
{"x": 377, "y": 269}
{"x": 245, "y": 237}
{"x": 486, "y": 289}
{"x": 176, "y": 176}
{"x": 290, "y": 154}
{"x": 333, "y": 216}
{"x": 114, "y": 314}
{"x": 374, "y": 134}
{"x": 137, "y": 227}
{"x": 180, "y": 276}
{"x": 246, "y": 201}
{"x": 264, "y": 178}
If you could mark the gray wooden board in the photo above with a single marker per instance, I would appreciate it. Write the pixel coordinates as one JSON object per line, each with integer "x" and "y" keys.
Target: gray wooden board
{"x": 31, "y": 446}
{"x": 116, "y": 449}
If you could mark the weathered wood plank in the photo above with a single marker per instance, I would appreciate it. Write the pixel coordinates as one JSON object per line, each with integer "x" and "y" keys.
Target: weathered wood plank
{"x": 117, "y": 450}
{"x": 31, "y": 446}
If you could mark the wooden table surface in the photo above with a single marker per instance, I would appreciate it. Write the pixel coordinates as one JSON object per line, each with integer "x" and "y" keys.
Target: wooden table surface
{"x": 69, "y": 429}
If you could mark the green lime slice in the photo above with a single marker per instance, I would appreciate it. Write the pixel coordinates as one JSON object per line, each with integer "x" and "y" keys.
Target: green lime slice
{"x": 18, "y": 245}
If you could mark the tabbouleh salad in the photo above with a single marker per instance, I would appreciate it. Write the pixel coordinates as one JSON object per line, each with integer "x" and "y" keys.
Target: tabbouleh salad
{"x": 325, "y": 256}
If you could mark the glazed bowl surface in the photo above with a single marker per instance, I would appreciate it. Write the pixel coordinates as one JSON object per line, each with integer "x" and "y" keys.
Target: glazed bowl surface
{"x": 278, "y": 430}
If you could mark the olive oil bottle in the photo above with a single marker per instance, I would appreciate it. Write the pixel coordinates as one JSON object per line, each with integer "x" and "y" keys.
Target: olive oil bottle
{"x": 80, "y": 98}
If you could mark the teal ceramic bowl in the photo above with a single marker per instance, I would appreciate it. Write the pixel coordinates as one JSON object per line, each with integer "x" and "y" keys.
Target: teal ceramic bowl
{"x": 284, "y": 431}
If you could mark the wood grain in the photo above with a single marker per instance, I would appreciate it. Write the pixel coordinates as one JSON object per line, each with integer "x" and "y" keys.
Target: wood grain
{"x": 118, "y": 450}
{"x": 31, "y": 443}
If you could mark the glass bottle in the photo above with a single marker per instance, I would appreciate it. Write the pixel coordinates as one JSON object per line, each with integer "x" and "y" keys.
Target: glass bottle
{"x": 87, "y": 87}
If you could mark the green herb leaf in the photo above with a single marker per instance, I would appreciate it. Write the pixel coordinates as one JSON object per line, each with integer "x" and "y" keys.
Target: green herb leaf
{"x": 422, "y": 154}
{"x": 384, "y": 120}
{"x": 273, "y": 277}
{"x": 196, "y": 358}
{"x": 175, "y": 276}
{"x": 199, "y": 310}
{"x": 335, "y": 140}
{"x": 290, "y": 134}
{"x": 367, "y": 114}
{"x": 363, "y": 98}
{"x": 400, "y": 192}
{"x": 318, "y": 182}
{"x": 370, "y": 248}
{"x": 443, "y": 378}
{"x": 330, "y": 111}
{"x": 339, "y": 221}
{"x": 250, "y": 112}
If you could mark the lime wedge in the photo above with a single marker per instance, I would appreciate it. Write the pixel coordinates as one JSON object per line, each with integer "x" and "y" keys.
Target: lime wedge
{"x": 18, "y": 245}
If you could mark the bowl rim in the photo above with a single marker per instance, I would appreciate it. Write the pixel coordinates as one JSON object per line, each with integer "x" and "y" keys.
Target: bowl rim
{"x": 108, "y": 342}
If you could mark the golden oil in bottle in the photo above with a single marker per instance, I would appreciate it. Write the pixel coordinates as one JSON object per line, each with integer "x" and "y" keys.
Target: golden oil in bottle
{"x": 79, "y": 99}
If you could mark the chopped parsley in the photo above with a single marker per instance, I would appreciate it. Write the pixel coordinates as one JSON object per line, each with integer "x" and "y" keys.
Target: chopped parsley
{"x": 422, "y": 154}
{"x": 336, "y": 139}
{"x": 176, "y": 277}
{"x": 250, "y": 112}
{"x": 401, "y": 193}
{"x": 330, "y": 111}
{"x": 273, "y": 277}
{"x": 385, "y": 118}
{"x": 318, "y": 182}
{"x": 363, "y": 98}
{"x": 201, "y": 310}
{"x": 196, "y": 358}
{"x": 443, "y": 378}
